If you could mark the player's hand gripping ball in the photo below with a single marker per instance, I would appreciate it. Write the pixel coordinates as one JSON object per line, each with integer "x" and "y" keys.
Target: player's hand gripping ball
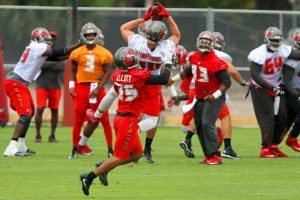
{"x": 155, "y": 14}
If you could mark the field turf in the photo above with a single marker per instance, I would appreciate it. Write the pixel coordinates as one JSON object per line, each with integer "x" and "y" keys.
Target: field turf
{"x": 51, "y": 175}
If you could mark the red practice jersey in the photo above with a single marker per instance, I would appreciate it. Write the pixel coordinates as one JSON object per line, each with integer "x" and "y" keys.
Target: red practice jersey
{"x": 205, "y": 68}
{"x": 130, "y": 88}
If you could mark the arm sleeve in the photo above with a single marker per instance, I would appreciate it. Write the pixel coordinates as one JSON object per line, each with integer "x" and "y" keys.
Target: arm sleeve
{"x": 108, "y": 100}
{"x": 255, "y": 75}
{"x": 288, "y": 73}
{"x": 161, "y": 79}
{"x": 224, "y": 78}
{"x": 188, "y": 71}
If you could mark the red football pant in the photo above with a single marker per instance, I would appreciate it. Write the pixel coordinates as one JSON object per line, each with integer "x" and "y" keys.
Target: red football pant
{"x": 20, "y": 97}
{"x": 187, "y": 117}
{"x": 81, "y": 105}
{"x": 127, "y": 140}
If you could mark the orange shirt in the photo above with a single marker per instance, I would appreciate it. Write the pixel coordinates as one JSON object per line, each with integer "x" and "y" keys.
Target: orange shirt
{"x": 90, "y": 62}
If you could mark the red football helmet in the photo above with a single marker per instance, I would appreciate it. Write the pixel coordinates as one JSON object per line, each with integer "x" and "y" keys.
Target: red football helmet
{"x": 125, "y": 59}
{"x": 205, "y": 41}
{"x": 273, "y": 38}
{"x": 40, "y": 34}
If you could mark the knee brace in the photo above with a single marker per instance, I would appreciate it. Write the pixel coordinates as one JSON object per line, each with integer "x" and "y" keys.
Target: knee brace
{"x": 25, "y": 119}
{"x": 148, "y": 122}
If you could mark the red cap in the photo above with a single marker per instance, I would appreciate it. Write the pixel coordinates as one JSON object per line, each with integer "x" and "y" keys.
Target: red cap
{"x": 53, "y": 34}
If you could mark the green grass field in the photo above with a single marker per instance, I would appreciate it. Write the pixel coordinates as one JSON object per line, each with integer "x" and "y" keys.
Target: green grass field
{"x": 51, "y": 175}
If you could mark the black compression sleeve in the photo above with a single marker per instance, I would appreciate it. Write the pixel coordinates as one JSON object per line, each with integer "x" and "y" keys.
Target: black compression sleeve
{"x": 161, "y": 79}
{"x": 57, "y": 52}
{"x": 224, "y": 78}
{"x": 188, "y": 71}
{"x": 255, "y": 75}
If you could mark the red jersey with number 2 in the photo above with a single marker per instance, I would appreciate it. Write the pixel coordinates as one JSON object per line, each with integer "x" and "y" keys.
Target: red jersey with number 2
{"x": 130, "y": 88}
{"x": 204, "y": 68}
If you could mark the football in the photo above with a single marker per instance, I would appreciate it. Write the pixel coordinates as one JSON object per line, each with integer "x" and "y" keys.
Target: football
{"x": 155, "y": 13}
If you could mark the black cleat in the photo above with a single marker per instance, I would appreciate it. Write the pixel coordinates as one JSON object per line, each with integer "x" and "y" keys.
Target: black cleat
{"x": 29, "y": 152}
{"x": 187, "y": 147}
{"x": 110, "y": 152}
{"x": 73, "y": 153}
{"x": 103, "y": 176}
{"x": 85, "y": 184}
{"x": 230, "y": 153}
{"x": 147, "y": 154}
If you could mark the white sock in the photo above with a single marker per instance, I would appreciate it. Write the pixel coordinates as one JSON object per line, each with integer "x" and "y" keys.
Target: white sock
{"x": 83, "y": 140}
{"x": 21, "y": 140}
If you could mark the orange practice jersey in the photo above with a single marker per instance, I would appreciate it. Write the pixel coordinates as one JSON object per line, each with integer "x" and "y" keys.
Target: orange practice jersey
{"x": 90, "y": 62}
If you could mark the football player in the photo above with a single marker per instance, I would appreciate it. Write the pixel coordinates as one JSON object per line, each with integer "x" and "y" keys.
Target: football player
{"x": 130, "y": 84}
{"x": 150, "y": 50}
{"x": 91, "y": 67}
{"x": 17, "y": 81}
{"x": 291, "y": 72}
{"x": 266, "y": 89}
{"x": 211, "y": 82}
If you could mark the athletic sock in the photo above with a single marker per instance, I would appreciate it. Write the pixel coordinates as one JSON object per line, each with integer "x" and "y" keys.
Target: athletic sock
{"x": 91, "y": 176}
{"x": 227, "y": 142}
{"x": 189, "y": 135}
{"x": 83, "y": 140}
{"x": 148, "y": 142}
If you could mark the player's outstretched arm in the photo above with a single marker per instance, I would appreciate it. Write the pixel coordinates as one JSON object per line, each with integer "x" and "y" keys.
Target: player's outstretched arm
{"x": 106, "y": 102}
{"x": 234, "y": 73}
{"x": 127, "y": 28}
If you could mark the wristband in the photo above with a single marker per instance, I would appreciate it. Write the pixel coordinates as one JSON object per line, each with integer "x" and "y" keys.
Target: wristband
{"x": 217, "y": 94}
{"x": 173, "y": 91}
{"x": 176, "y": 77}
{"x": 71, "y": 84}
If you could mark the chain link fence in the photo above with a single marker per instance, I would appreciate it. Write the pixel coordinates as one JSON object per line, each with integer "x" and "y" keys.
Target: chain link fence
{"x": 243, "y": 31}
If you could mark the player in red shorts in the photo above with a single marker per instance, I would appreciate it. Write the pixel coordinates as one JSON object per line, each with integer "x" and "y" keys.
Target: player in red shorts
{"x": 150, "y": 49}
{"x": 17, "y": 81}
{"x": 129, "y": 85}
{"x": 91, "y": 67}
{"x": 48, "y": 92}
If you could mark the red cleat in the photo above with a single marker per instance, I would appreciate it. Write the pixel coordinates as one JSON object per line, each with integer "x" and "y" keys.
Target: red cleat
{"x": 204, "y": 161}
{"x": 265, "y": 152}
{"x": 90, "y": 114}
{"x": 84, "y": 150}
{"x": 220, "y": 136}
{"x": 293, "y": 143}
{"x": 274, "y": 148}
{"x": 214, "y": 160}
